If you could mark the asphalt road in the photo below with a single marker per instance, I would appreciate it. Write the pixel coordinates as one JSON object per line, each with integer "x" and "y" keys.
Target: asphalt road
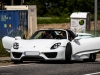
{"x": 52, "y": 68}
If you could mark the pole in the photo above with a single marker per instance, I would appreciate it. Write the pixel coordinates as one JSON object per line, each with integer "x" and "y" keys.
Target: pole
{"x": 12, "y": 2}
{"x": 22, "y": 2}
{"x": 95, "y": 18}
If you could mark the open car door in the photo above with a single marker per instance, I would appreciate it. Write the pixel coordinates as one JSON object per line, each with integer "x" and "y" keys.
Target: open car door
{"x": 85, "y": 46}
{"x": 8, "y": 42}
{"x": 10, "y": 38}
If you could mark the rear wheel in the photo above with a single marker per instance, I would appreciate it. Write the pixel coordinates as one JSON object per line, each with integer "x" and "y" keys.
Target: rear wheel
{"x": 68, "y": 53}
{"x": 92, "y": 58}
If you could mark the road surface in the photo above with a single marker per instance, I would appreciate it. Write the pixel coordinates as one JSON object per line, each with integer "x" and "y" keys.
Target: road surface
{"x": 52, "y": 68}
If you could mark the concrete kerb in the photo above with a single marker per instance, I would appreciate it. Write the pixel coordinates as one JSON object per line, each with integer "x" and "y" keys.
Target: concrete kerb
{"x": 5, "y": 59}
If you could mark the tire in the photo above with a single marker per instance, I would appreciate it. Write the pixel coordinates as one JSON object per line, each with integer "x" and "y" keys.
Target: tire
{"x": 68, "y": 53}
{"x": 92, "y": 58}
{"x": 17, "y": 61}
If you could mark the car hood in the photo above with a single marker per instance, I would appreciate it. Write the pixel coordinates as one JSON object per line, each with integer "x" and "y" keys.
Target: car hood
{"x": 37, "y": 42}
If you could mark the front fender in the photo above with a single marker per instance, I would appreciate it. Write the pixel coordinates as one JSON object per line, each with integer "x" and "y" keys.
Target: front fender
{"x": 64, "y": 42}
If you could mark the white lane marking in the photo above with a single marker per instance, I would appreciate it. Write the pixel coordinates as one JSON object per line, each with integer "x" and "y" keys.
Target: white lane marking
{"x": 93, "y": 73}
{"x": 14, "y": 65}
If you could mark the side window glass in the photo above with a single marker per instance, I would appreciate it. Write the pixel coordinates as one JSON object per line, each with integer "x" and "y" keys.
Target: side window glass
{"x": 38, "y": 36}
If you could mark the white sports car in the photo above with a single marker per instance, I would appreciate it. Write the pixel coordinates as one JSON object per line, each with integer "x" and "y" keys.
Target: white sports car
{"x": 52, "y": 44}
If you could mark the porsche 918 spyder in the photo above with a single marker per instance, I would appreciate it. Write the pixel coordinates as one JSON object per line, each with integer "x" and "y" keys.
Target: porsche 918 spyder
{"x": 52, "y": 44}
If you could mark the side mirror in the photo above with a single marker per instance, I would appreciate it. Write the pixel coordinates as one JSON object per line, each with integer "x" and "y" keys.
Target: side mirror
{"x": 77, "y": 38}
{"x": 17, "y": 38}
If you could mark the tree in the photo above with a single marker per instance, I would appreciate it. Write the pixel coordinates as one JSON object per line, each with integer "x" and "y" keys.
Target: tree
{"x": 58, "y": 7}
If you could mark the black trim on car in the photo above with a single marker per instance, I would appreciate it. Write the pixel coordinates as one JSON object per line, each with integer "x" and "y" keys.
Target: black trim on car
{"x": 16, "y": 54}
{"x": 31, "y": 58}
{"x": 87, "y": 51}
{"x": 51, "y": 54}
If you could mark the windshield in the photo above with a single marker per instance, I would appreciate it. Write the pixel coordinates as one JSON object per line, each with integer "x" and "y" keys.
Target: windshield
{"x": 49, "y": 34}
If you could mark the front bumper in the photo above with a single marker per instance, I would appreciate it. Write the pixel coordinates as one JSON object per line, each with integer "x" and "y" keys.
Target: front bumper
{"x": 47, "y": 54}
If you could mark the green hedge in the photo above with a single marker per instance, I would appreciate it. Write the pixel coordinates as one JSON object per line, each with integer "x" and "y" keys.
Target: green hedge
{"x": 52, "y": 20}
{"x": 3, "y": 52}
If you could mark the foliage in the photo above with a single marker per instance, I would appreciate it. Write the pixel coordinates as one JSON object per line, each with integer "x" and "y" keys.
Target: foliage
{"x": 62, "y": 8}
{"x": 3, "y": 52}
{"x": 59, "y": 8}
{"x": 53, "y": 20}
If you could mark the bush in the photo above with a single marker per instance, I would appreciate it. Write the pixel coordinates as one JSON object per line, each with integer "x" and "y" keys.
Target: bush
{"x": 3, "y": 52}
{"x": 52, "y": 20}
{"x": 64, "y": 19}
{"x": 93, "y": 17}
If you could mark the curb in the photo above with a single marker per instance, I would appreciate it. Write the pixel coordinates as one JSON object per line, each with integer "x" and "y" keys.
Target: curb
{"x": 4, "y": 58}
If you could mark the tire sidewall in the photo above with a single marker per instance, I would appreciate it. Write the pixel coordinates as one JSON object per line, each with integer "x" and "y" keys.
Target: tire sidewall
{"x": 68, "y": 52}
{"x": 92, "y": 57}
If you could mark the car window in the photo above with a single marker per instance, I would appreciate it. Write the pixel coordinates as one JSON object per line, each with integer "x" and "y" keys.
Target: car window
{"x": 38, "y": 36}
{"x": 72, "y": 34}
{"x": 49, "y": 34}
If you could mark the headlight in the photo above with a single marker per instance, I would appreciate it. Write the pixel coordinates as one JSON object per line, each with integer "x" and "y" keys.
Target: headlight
{"x": 56, "y": 45}
{"x": 16, "y": 45}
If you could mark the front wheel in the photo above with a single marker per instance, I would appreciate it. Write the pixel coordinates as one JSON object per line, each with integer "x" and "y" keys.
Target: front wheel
{"x": 68, "y": 53}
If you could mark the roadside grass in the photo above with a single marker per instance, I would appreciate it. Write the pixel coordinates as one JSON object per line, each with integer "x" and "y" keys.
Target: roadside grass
{"x": 52, "y": 20}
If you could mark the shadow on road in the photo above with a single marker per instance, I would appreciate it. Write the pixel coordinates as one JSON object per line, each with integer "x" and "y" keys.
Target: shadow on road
{"x": 59, "y": 62}
{"x": 51, "y": 62}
